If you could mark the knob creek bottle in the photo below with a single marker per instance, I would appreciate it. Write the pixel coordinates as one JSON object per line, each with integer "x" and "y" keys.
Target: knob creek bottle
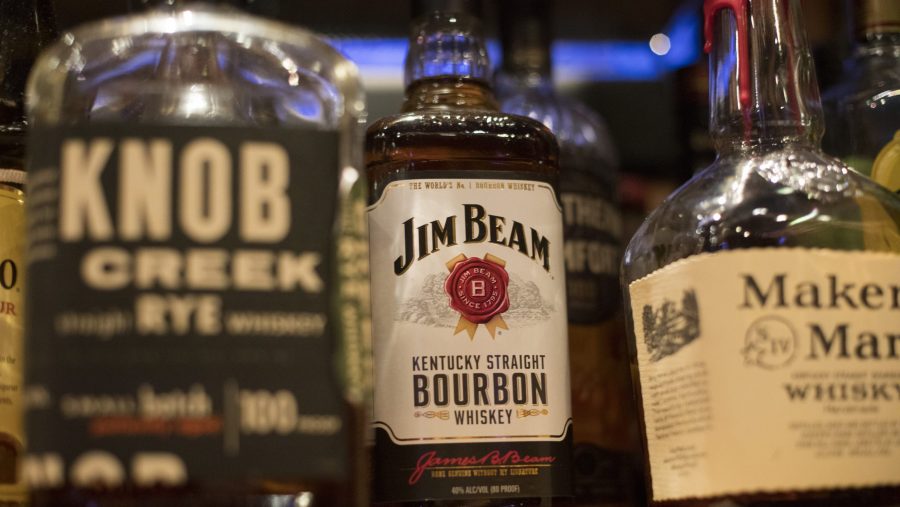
{"x": 198, "y": 338}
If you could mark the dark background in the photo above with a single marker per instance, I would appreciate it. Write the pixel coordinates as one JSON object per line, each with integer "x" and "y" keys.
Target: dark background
{"x": 657, "y": 122}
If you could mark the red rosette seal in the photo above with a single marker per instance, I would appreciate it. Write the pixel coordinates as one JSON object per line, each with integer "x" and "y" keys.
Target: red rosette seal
{"x": 479, "y": 292}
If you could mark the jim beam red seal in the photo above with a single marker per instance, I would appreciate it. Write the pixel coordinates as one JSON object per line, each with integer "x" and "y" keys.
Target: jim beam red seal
{"x": 488, "y": 416}
{"x": 479, "y": 291}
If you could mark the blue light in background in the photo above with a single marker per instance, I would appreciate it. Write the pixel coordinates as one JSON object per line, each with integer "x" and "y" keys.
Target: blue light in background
{"x": 574, "y": 61}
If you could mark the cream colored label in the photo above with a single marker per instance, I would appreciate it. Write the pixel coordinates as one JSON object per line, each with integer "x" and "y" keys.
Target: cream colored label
{"x": 770, "y": 370}
{"x": 12, "y": 236}
{"x": 454, "y": 360}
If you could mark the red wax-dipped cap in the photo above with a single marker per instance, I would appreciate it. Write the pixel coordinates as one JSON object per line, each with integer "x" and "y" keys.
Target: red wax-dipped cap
{"x": 741, "y": 10}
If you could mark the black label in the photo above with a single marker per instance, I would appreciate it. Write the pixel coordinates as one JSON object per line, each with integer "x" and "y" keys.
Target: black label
{"x": 592, "y": 231}
{"x": 180, "y": 325}
{"x": 472, "y": 470}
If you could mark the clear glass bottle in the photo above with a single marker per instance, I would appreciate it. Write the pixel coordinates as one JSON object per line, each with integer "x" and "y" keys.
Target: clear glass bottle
{"x": 467, "y": 269}
{"x": 197, "y": 259}
{"x": 862, "y": 111}
{"x": 753, "y": 346}
{"x": 25, "y": 26}
{"x": 606, "y": 449}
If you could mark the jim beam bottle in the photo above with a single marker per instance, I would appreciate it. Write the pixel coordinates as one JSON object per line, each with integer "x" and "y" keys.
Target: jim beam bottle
{"x": 26, "y": 26}
{"x": 607, "y": 445}
{"x": 192, "y": 250}
{"x": 763, "y": 296}
{"x": 471, "y": 401}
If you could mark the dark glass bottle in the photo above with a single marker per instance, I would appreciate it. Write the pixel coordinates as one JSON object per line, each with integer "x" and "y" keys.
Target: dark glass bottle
{"x": 862, "y": 111}
{"x": 756, "y": 383}
{"x": 468, "y": 285}
{"x": 25, "y": 27}
{"x": 227, "y": 147}
{"x": 607, "y": 446}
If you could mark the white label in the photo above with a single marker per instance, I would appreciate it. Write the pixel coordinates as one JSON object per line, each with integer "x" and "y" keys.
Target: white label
{"x": 453, "y": 361}
{"x": 770, "y": 370}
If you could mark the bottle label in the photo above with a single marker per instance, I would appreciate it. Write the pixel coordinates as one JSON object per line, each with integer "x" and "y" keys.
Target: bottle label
{"x": 471, "y": 361}
{"x": 12, "y": 246}
{"x": 593, "y": 230}
{"x": 606, "y": 428}
{"x": 770, "y": 370}
{"x": 185, "y": 287}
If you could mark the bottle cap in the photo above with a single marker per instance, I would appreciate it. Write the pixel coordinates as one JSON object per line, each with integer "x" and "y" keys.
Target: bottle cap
{"x": 525, "y": 34}
{"x": 423, "y": 7}
{"x": 15, "y": 176}
{"x": 877, "y": 16}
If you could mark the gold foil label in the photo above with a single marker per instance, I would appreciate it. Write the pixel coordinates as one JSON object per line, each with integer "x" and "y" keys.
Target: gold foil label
{"x": 768, "y": 370}
{"x": 12, "y": 235}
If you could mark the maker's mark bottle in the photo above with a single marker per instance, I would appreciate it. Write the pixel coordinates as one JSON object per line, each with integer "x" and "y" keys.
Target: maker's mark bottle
{"x": 197, "y": 330}
{"x": 471, "y": 363}
{"x": 763, "y": 296}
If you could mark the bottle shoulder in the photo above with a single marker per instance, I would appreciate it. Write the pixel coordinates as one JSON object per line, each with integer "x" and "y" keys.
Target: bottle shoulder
{"x": 463, "y": 134}
{"x": 789, "y": 198}
{"x": 197, "y": 63}
{"x": 867, "y": 77}
{"x": 459, "y": 121}
{"x": 581, "y": 132}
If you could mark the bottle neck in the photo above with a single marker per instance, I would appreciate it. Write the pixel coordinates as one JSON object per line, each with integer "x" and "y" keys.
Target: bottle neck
{"x": 526, "y": 37}
{"x": 763, "y": 90}
{"x": 447, "y": 93}
{"x": 447, "y": 66}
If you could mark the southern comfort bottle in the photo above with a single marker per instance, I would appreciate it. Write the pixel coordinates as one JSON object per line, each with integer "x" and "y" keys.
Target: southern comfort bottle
{"x": 764, "y": 296}
{"x": 607, "y": 447}
{"x": 192, "y": 170}
{"x": 471, "y": 400}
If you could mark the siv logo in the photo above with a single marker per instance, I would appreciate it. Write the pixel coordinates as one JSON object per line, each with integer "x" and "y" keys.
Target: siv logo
{"x": 770, "y": 343}
{"x": 668, "y": 328}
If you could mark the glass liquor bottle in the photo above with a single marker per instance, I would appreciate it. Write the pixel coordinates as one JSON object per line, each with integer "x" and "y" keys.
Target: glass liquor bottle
{"x": 863, "y": 110}
{"x": 759, "y": 357}
{"x": 26, "y": 26}
{"x": 606, "y": 449}
{"x": 197, "y": 262}
{"x": 471, "y": 394}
